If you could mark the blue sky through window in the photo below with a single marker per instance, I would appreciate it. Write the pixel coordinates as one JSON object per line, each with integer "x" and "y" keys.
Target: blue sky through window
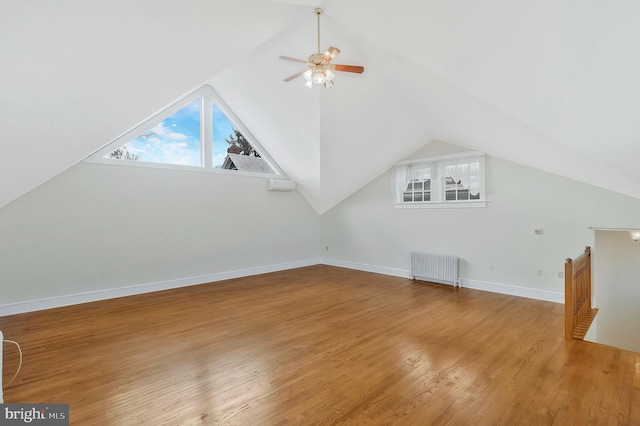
{"x": 176, "y": 140}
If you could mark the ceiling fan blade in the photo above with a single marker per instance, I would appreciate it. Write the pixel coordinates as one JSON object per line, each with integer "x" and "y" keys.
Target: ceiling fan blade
{"x": 287, "y": 58}
{"x": 331, "y": 53}
{"x": 296, "y": 75}
{"x": 349, "y": 68}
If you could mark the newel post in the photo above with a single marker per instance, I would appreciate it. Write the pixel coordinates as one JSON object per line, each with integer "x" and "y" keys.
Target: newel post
{"x": 587, "y": 252}
{"x": 568, "y": 299}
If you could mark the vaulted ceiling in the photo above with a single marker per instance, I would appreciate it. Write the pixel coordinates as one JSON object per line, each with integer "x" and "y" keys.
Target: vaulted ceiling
{"x": 551, "y": 84}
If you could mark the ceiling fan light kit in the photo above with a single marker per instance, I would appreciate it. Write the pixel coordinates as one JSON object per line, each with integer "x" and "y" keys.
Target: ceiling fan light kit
{"x": 321, "y": 70}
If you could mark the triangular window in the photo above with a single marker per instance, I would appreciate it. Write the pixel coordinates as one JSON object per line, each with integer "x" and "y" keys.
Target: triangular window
{"x": 197, "y": 131}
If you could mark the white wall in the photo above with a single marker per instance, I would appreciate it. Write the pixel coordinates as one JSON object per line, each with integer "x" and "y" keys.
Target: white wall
{"x": 98, "y": 227}
{"x": 616, "y": 277}
{"x": 367, "y": 232}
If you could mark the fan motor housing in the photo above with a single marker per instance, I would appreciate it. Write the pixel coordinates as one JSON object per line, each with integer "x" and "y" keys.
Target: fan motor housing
{"x": 318, "y": 59}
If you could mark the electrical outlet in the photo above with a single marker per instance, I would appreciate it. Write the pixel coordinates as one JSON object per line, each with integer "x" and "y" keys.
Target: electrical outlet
{"x": 490, "y": 266}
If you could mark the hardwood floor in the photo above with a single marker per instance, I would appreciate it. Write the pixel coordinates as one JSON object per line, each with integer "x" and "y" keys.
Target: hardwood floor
{"x": 319, "y": 345}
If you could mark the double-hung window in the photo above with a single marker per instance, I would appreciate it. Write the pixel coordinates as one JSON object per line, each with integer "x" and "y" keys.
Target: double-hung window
{"x": 449, "y": 181}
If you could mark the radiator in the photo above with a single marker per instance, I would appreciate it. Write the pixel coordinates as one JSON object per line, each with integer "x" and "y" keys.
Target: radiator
{"x": 437, "y": 268}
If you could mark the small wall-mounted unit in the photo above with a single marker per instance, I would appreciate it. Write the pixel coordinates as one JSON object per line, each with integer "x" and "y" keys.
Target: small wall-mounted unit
{"x": 281, "y": 185}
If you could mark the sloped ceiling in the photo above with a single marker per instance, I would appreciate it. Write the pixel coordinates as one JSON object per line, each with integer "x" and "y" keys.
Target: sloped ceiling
{"x": 548, "y": 84}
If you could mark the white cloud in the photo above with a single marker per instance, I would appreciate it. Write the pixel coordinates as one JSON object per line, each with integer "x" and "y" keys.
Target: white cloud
{"x": 178, "y": 153}
{"x": 164, "y": 133}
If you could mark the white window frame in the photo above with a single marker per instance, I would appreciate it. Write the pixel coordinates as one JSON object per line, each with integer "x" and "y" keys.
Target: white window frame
{"x": 208, "y": 95}
{"x": 402, "y": 176}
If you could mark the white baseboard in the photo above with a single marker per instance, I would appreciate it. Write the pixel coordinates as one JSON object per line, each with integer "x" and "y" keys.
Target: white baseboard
{"x": 367, "y": 268}
{"x": 531, "y": 293}
{"x": 93, "y": 296}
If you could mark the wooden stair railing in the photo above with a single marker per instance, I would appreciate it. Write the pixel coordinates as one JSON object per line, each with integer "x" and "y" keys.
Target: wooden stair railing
{"x": 578, "y": 313}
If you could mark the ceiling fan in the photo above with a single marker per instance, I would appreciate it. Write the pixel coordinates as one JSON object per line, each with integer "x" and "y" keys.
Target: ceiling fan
{"x": 321, "y": 69}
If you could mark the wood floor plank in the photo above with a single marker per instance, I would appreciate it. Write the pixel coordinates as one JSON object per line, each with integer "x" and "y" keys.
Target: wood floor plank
{"x": 319, "y": 345}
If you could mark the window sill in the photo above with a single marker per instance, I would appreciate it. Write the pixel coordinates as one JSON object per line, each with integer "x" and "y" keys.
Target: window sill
{"x": 197, "y": 169}
{"x": 441, "y": 205}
